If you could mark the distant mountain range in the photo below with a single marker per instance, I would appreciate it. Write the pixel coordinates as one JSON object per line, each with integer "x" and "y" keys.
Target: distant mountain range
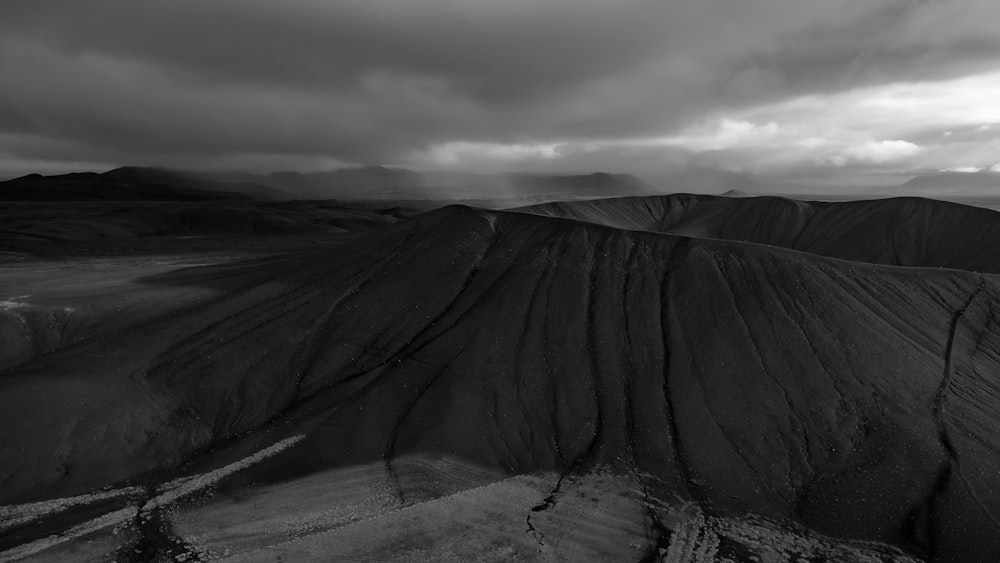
{"x": 348, "y": 184}
{"x": 381, "y": 184}
{"x": 954, "y": 183}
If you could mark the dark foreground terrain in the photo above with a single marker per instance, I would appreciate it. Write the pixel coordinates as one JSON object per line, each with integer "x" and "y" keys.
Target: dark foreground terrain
{"x": 572, "y": 383}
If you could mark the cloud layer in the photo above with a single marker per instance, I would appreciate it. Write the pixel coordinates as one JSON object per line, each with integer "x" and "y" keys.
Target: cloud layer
{"x": 520, "y": 84}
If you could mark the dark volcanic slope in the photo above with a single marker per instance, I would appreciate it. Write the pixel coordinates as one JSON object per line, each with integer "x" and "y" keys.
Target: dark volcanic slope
{"x": 859, "y": 400}
{"x": 897, "y": 231}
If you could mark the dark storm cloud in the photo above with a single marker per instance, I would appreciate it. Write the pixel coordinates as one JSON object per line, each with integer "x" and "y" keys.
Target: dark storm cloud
{"x": 871, "y": 48}
{"x": 338, "y": 44}
{"x": 378, "y": 80}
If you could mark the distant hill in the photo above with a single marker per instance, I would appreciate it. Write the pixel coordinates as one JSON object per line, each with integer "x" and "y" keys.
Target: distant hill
{"x": 953, "y": 183}
{"x": 596, "y": 184}
{"x": 191, "y": 181}
{"x": 130, "y": 184}
{"x": 714, "y": 181}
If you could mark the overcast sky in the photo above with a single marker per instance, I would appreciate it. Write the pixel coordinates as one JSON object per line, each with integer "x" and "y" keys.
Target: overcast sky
{"x": 784, "y": 88}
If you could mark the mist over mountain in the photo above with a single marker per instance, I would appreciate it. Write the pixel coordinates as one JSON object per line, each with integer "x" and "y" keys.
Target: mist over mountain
{"x": 982, "y": 183}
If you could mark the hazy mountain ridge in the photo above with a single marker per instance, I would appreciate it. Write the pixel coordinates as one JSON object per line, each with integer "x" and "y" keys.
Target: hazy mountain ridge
{"x": 983, "y": 183}
{"x": 189, "y": 181}
{"x": 375, "y": 183}
{"x": 379, "y": 182}
{"x": 117, "y": 185}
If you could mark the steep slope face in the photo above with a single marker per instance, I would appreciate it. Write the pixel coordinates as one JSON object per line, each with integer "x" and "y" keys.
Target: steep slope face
{"x": 858, "y": 400}
{"x": 897, "y": 231}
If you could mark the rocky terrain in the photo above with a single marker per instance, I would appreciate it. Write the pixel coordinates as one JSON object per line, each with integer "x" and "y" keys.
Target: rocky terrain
{"x": 609, "y": 380}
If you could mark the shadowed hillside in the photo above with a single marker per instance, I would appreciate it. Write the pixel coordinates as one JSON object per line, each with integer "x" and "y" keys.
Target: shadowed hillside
{"x": 897, "y": 231}
{"x": 857, "y": 400}
{"x": 132, "y": 184}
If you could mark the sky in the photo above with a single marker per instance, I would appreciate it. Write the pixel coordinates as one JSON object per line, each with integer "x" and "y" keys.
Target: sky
{"x": 850, "y": 91}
